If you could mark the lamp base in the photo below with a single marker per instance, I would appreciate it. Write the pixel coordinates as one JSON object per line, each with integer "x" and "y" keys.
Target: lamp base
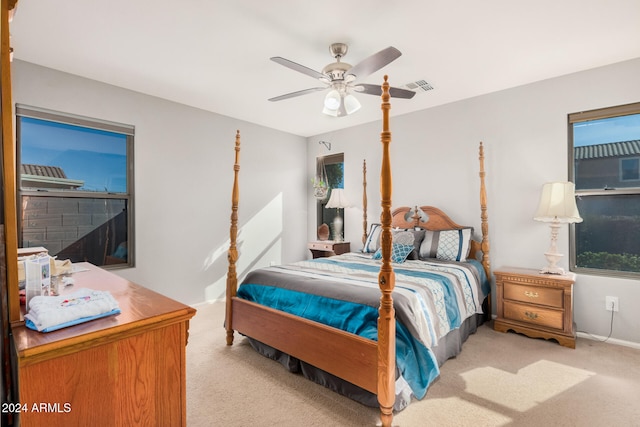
{"x": 337, "y": 229}
{"x": 552, "y": 268}
{"x": 555, "y": 270}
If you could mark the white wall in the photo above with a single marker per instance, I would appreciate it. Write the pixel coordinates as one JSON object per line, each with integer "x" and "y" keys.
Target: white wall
{"x": 183, "y": 178}
{"x": 184, "y": 160}
{"x": 524, "y": 130}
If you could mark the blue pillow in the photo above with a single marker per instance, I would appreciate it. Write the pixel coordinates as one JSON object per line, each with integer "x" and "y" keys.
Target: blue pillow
{"x": 399, "y": 252}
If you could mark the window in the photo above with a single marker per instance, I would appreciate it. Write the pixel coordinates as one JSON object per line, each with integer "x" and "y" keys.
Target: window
{"x": 75, "y": 178}
{"x": 630, "y": 169}
{"x": 604, "y": 164}
{"x": 334, "y": 170}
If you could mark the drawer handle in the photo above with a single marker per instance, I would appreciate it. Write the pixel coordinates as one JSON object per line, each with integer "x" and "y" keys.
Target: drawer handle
{"x": 531, "y": 294}
{"x": 531, "y": 315}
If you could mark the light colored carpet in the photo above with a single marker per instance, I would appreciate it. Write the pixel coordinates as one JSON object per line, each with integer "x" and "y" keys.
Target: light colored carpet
{"x": 498, "y": 380}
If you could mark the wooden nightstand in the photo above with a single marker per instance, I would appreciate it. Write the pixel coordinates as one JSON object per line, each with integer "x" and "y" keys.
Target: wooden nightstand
{"x": 537, "y": 305}
{"x": 325, "y": 248}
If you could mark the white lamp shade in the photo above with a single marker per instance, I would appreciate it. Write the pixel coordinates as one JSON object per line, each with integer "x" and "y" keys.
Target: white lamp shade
{"x": 332, "y": 100}
{"x": 329, "y": 112}
{"x": 351, "y": 104}
{"x": 558, "y": 203}
{"x": 337, "y": 199}
{"x": 337, "y": 103}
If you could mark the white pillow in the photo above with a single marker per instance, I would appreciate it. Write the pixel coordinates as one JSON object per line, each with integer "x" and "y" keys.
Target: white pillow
{"x": 373, "y": 239}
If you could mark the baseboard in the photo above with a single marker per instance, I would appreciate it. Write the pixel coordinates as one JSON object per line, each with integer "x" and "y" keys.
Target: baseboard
{"x": 609, "y": 340}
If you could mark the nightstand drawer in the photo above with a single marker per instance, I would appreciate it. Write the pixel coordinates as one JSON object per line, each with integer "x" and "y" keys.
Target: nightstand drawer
{"x": 325, "y": 248}
{"x": 321, "y": 246}
{"x": 534, "y": 295}
{"x": 533, "y": 315}
{"x": 535, "y": 304}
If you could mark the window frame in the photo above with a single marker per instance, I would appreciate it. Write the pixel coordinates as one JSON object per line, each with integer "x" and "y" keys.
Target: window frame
{"x": 27, "y": 111}
{"x": 583, "y": 116}
{"x": 637, "y": 169}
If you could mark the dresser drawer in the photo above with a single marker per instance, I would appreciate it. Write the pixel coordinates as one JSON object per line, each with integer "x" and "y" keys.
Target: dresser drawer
{"x": 535, "y": 295}
{"x": 533, "y": 315}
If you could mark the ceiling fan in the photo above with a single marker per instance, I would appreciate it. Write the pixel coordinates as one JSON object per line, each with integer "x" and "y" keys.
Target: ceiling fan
{"x": 341, "y": 78}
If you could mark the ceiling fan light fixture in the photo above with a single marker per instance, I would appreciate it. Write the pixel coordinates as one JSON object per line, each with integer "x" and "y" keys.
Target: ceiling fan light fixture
{"x": 341, "y": 79}
{"x": 351, "y": 104}
{"x": 328, "y": 112}
{"x": 332, "y": 100}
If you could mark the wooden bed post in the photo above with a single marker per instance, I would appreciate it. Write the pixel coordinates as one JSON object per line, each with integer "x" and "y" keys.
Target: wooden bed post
{"x": 364, "y": 202}
{"x": 386, "y": 279}
{"x": 484, "y": 245}
{"x": 232, "y": 256}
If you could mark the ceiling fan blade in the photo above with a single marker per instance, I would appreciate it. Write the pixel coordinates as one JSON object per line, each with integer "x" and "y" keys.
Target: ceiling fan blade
{"x": 299, "y": 68}
{"x": 374, "y": 62}
{"x": 298, "y": 93}
{"x": 394, "y": 92}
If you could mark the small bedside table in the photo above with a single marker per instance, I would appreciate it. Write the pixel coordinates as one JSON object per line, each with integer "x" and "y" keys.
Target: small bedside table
{"x": 326, "y": 248}
{"x": 535, "y": 304}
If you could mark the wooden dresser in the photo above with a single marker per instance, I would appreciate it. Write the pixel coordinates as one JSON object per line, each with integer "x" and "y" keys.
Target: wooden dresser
{"x": 537, "y": 305}
{"x": 122, "y": 370}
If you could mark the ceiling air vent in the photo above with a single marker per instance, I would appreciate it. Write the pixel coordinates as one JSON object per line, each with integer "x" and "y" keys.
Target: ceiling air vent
{"x": 419, "y": 86}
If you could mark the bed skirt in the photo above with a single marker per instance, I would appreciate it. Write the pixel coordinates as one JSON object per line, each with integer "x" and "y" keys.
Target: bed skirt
{"x": 448, "y": 347}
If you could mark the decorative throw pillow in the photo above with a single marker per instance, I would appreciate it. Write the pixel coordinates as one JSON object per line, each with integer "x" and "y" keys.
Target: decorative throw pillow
{"x": 418, "y": 235}
{"x": 403, "y": 237}
{"x": 373, "y": 239}
{"x": 399, "y": 252}
{"x": 450, "y": 245}
{"x": 401, "y": 247}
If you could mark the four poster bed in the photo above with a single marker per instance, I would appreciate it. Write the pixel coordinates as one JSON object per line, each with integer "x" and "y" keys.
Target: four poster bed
{"x": 374, "y": 326}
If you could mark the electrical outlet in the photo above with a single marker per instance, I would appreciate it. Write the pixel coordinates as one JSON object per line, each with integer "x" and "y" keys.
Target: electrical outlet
{"x": 611, "y": 303}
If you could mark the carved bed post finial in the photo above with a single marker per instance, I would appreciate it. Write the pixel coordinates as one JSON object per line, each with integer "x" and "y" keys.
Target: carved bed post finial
{"x": 232, "y": 278}
{"x": 364, "y": 201}
{"x": 386, "y": 278}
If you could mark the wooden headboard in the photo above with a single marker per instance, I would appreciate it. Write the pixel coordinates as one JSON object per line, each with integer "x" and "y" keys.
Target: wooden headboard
{"x": 435, "y": 219}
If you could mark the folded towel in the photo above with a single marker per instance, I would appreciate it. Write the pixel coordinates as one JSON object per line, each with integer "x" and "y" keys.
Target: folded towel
{"x": 50, "y": 313}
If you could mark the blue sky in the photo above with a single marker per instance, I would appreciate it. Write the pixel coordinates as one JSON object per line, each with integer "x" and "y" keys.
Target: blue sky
{"x": 603, "y": 131}
{"x": 97, "y": 157}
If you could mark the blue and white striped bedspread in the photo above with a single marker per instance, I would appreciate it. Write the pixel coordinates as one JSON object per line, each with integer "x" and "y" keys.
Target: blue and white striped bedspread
{"x": 431, "y": 298}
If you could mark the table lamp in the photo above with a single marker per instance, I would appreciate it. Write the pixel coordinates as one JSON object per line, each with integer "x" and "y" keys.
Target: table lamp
{"x": 339, "y": 201}
{"x": 557, "y": 206}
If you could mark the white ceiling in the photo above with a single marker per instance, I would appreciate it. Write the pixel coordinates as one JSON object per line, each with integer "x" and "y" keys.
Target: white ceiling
{"x": 214, "y": 54}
